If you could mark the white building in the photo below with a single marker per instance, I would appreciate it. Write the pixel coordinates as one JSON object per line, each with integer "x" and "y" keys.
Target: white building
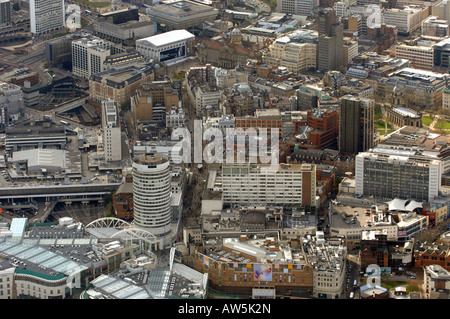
{"x": 446, "y": 99}
{"x": 222, "y": 123}
{"x": 41, "y": 160}
{"x": 406, "y": 20}
{"x": 294, "y": 56}
{"x": 251, "y": 184}
{"x": 398, "y": 174}
{"x": 112, "y": 136}
{"x": 46, "y": 15}
{"x": 297, "y": 7}
{"x": 421, "y": 57}
{"x": 330, "y": 268}
{"x": 167, "y": 47}
{"x": 205, "y": 96}
{"x": 37, "y": 285}
{"x": 152, "y": 197}
{"x": 437, "y": 279}
{"x": 89, "y": 55}
{"x": 11, "y": 96}
{"x": 6, "y": 283}
{"x": 176, "y": 117}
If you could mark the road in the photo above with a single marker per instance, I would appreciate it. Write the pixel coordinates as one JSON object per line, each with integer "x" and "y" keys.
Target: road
{"x": 352, "y": 275}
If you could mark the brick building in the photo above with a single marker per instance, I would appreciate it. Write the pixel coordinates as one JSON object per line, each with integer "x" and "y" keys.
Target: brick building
{"x": 428, "y": 254}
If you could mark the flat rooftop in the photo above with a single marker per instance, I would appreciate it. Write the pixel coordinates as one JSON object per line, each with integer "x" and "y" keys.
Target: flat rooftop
{"x": 167, "y": 38}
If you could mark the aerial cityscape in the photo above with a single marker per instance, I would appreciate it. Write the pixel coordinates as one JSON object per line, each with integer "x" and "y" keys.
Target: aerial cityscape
{"x": 224, "y": 149}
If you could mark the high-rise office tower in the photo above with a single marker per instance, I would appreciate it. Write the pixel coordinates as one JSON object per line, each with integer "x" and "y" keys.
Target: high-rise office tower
{"x": 331, "y": 41}
{"x": 89, "y": 55}
{"x": 356, "y": 125}
{"x": 398, "y": 174}
{"x": 46, "y": 15}
{"x": 112, "y": 136}
{"x": 5, "y": 12}
{"x": 152, "y": 197}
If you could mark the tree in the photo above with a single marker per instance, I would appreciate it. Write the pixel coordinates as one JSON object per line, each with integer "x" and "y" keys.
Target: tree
{"x": 16, "y": 6}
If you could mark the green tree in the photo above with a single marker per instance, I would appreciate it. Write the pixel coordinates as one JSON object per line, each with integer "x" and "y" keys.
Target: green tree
{"x": 16, "y": 6}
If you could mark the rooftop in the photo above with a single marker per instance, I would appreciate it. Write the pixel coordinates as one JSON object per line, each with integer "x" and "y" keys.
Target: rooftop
{"x": 167, "y": 38}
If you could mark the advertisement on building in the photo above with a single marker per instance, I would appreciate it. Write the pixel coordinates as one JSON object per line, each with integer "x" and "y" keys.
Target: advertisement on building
{"x": 262, "y": 272}
{"x": 172, "y": 53}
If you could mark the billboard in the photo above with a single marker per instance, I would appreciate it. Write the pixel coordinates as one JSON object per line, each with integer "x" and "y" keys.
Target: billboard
{"x": 262, "y": 272}
{"x": 172, "y": 53}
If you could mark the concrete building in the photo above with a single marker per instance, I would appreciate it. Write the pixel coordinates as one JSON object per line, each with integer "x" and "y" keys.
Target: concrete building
{"x": 421, "y": 57}
{"x": 356, "y": 125}
{"x": 350, "y": 50}
{"x": 152, "y": 210}
{"x": 11, "y": 101}
{"x": 7, "y": 280}
{"x": 46, "y": 15}
{"x": 331, "y": 41}
{"x": 295, "y": 57}
{"x": 112, "y": 135}
{"x": 441, "y": 54}
{"x": 446, "y": 99}
{"x": 437, "y": 282}
{"x": 298, "y": 7}
{"x": 119, "y": 83}
{"x": 435, "y": 27}
{"x": 167, "y": 47}
{"x": 58, "y": 52}
{"x": 35, "y": 135}
{"x": 125, "y": 33}
{"x": 153, "y": 100}
{"x": 40, "y": 161}
{"x": 205, "y": 96}
{"x": 122, "y": 59}
{"x": 398, "y": 176}
{"x": 330, "y": 269}
{"x": 418, "y": 141}
{"x": 289, "y": 184}
{"x": 181, "y": 14}
{"x": 407, "y": 19}
{"x": 5, "y": 12}
{"x": 89, "y": 55}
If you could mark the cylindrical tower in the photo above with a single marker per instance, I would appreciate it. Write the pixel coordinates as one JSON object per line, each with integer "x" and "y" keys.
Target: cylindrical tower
{"x": 151, "y": 197}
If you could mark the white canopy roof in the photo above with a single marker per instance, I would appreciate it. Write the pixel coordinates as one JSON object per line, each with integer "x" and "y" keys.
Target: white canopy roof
{"x": 403, "y": 204}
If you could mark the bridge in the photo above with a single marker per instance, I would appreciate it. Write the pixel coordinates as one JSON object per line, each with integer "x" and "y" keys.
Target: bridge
{"x": 59, "y": 193}
{"x": 70, "y": 105}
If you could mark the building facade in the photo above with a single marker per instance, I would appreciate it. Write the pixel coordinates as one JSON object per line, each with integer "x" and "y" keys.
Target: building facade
{"x": 46, "y": 15}
{"x": 119, "y": 84}
{"x": 356, "y": 125}
{"x": 167, "y": 47}
{"x": 398, "y": 176}
{"x": 89, "y": 55}
{"x": 289, "y": 184}
{"x": 331, "y": 41}
{"x": 295, "y": 57}
{"x": 112, "y": 135}
{"x": 152, "y": 197}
